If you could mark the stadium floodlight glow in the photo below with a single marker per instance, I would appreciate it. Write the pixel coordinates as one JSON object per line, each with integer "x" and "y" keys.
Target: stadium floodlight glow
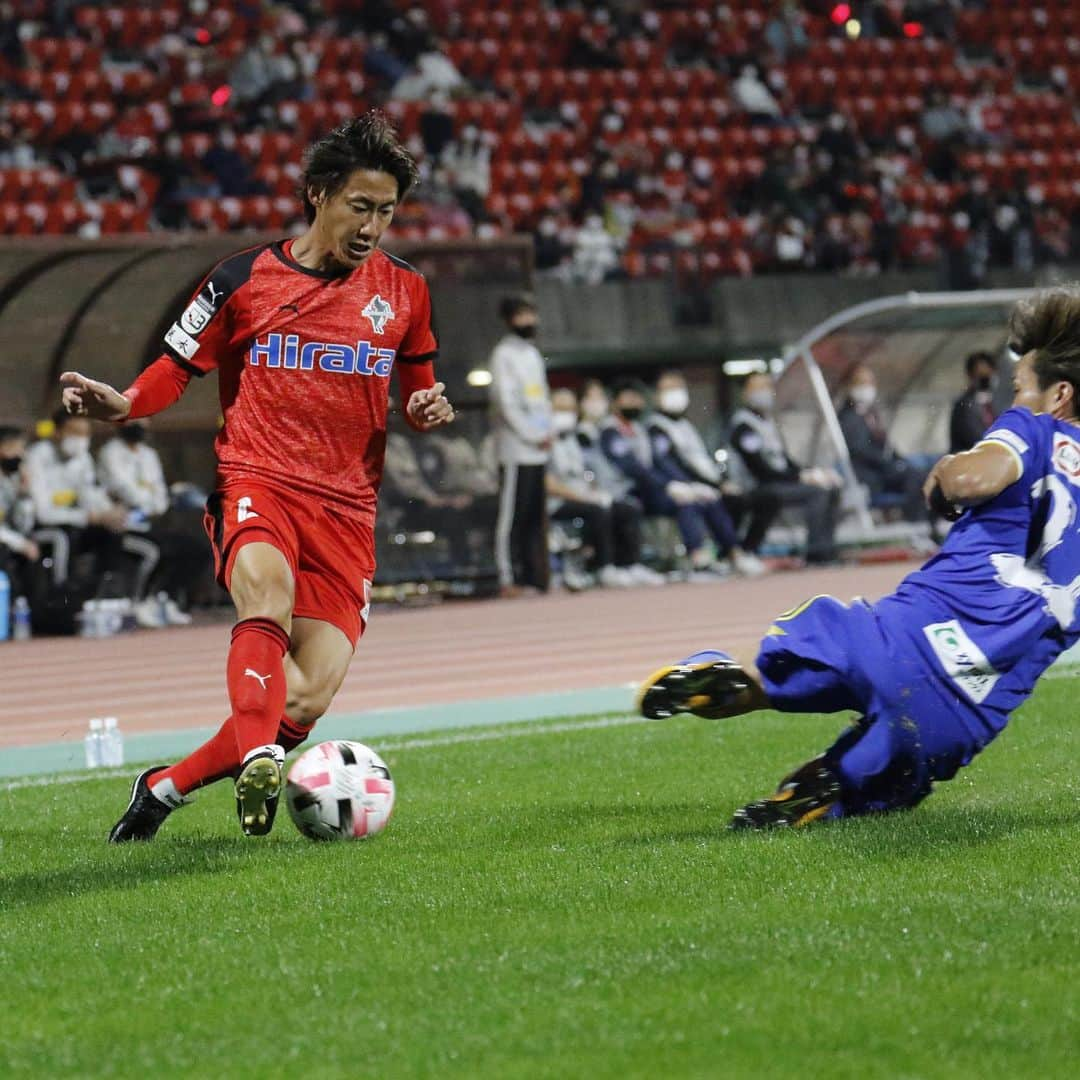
{"x": 479, "y": 377}
{"x": 744, "y": 367}
{"x": 853, "y": 28}
{"x": 840, "y": 14}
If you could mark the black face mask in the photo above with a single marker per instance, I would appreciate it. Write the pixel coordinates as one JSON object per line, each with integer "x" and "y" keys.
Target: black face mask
{"x": 10, "y": 465}
{"x": 133, "y": 435}
{"x": 527, "y": 332}
{"x": 984, "y": 382}
{"x": 631, "y": 412}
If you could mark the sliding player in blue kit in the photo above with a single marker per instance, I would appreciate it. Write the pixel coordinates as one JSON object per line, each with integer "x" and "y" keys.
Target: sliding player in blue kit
{"x": 935, "y": 669}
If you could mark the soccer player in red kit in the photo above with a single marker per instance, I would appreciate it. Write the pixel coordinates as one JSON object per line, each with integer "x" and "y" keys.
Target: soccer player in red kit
{"x": 304, "y": 335}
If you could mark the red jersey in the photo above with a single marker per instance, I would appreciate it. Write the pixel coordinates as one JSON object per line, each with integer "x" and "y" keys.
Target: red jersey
{"x": 304, "y": 360}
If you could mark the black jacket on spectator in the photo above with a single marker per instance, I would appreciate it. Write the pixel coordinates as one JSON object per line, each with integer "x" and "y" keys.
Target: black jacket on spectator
{"x": 758, "y": 442}
{"x": 969, "y": 419}
{"x": 875, "y": 462}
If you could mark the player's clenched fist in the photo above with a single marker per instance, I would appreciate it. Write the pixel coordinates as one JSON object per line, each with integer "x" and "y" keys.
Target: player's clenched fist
{"x": 429, "y": 408}
{"x": 88, "y": 397}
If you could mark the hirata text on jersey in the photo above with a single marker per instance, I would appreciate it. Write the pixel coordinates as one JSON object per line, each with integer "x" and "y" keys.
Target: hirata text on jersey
{"x": 284, "y": 351}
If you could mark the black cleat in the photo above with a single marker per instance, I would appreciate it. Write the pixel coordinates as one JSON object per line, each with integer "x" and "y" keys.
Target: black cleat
{"x": 706, "y": 684}
{"x": 808, "y": 794}
{"x": 257, "y": 789}
{"x": 145, "y": 811}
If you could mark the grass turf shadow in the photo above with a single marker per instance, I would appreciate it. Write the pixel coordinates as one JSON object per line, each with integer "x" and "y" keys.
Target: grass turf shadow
{"x": 126, "y": 868}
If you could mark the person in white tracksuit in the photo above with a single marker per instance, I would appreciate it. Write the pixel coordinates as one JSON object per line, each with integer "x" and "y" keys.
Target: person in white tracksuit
{"x": 521, "y": 414}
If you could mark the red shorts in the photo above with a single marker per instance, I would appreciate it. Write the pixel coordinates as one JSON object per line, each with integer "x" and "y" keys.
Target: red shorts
{"x": 332, "y": 557}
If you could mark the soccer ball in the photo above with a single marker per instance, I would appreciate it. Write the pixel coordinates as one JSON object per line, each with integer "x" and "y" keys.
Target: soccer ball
{"x": 339, "y": 791}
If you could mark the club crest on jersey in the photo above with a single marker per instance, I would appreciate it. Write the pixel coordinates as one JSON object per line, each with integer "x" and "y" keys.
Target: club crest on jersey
{"x": 378, "y": 312}
{"x": 1067, "y": 456}
{"x": 285, "y": 351}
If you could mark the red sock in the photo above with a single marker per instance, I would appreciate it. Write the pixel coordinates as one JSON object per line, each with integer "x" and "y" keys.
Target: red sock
{"x": 218, "y": 757}
{"x": 256, "y": 677}
{"x": 214, "y": 760}
{"x": 290, "y": 734}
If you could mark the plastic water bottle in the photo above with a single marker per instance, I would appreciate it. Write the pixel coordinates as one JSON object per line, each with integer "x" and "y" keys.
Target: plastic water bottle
{"x": 21, "y": 629}
{"x": 94, "y": 743}
{"x": 5, "y": 606}
{"x": 88, "y": 619}
{"x": 112, "y": 743}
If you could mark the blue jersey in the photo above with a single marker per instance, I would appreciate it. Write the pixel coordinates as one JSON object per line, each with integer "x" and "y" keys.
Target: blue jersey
{"x": 997, "y": 605}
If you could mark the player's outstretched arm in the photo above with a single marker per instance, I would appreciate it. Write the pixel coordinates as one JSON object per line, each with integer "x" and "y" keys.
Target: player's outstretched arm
{"x": 972, "y": 477}
{"x": 88, "y": 397}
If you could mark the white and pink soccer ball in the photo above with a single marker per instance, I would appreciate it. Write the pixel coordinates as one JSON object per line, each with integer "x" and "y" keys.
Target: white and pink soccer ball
{"x": 339, "y": 791}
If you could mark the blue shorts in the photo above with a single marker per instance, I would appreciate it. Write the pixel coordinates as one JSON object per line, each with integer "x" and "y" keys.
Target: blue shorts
{"x": 827, "y": 656}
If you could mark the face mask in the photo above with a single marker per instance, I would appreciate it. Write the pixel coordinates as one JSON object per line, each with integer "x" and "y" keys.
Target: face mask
{"x": 864, "y": 396}
{"x": 10, "y": 465}
{"x": 675, "y": 401}
{"x": 563, "y": 422}
{"x": 985, "y": 382}
{"x": 761, "y": 400}
{"x": 526, "y": 330}
{"x": 75, "y": 445}
{"x": 594, "y": 408}
{"x": 631, "y": 412}
{"x": 133, "y": 435}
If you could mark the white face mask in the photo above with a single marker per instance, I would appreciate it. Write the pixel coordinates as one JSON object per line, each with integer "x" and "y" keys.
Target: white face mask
{"x": 563, "y": 422}
{"x": 864, "y": 396}
{"x": 75, "y": 445}
{"x": 675, "y": 400}
{"x": 594, "y": 408}
{"x": 761, "y": 401}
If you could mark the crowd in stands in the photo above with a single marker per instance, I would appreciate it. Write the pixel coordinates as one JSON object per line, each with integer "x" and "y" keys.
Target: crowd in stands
{"x": 75, "y": 527}
{"x": 630, "y": 137}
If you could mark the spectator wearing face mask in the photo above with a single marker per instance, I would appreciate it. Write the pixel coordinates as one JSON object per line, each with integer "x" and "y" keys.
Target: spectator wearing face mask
{"x": 17, "y": 550}
{"x": 627, "y": 445}
{"x": 678, "y": 443}
{"x": 131, "y": 474}
{"x": 757, "y": 439}
{"x": 65, "y": 494}
{"x": 612, "y": 526}
{"x": 521, "y": 416}
{"x": 891, "y": 479}
{"x": 974, "y": 410}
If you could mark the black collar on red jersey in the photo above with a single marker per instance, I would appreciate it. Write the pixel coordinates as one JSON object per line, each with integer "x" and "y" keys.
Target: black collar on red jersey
{"x": 278, "y": 248}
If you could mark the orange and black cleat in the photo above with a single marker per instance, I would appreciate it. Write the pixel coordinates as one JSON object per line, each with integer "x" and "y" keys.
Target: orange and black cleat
{"x": 810, "y": 793}
{"x": 706, "y": 684}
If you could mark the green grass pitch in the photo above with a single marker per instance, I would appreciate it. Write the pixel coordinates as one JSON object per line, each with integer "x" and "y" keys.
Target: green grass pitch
{"x": 561, "y": 903}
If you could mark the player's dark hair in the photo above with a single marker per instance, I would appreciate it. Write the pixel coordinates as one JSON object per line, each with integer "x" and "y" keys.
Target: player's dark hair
{"x": 8, "y": 431}
{"x": 512, "y": 305}
{"x": 365, "y": 142}
{"x": 979, "y": 356}
{"x": 635, "y": 385}
{"x": 1048, "y": 324}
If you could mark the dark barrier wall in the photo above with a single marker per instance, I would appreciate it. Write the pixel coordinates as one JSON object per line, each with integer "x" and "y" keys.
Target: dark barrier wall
{"x": 102, "y": 306}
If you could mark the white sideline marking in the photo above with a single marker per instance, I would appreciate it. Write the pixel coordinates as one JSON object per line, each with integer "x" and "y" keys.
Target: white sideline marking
{"x": 383, "y": 747}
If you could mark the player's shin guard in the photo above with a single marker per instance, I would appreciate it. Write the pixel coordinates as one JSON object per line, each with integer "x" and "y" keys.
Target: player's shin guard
{"x": 256, "y": 678}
